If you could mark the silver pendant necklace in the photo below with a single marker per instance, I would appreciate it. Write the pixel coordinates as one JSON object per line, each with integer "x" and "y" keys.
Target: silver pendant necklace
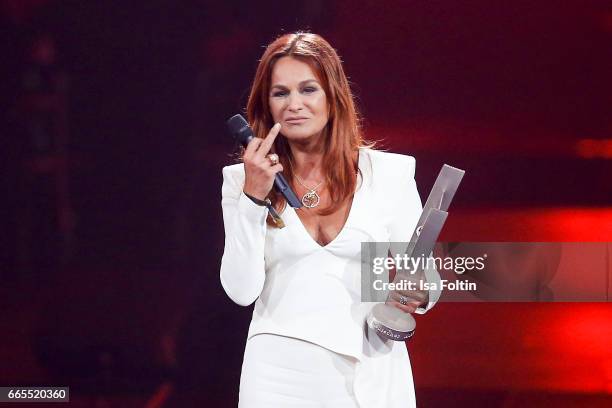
{"x": 311, "y": 199}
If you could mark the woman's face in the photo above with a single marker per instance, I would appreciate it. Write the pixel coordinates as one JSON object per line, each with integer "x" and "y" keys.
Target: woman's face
{"x": 297, "y": 100}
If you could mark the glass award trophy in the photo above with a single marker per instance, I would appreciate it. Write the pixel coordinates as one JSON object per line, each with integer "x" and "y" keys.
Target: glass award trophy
{"x": 387, "y": 320}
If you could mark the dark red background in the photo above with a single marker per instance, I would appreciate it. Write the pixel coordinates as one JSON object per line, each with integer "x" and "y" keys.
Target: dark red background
{"x": 518, "y": 94}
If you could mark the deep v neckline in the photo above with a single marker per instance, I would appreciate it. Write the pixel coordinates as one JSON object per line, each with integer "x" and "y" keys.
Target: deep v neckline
{"x": 354, "y": 203}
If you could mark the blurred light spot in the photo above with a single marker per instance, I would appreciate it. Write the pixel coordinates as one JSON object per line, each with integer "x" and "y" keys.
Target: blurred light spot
{"x": 594, "y": 148}
{"x": 557, "y": 224}
{"x": 606, "y": 22}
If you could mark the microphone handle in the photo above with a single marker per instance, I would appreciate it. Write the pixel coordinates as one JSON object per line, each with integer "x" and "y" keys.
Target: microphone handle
{"x": 281, "y": 185}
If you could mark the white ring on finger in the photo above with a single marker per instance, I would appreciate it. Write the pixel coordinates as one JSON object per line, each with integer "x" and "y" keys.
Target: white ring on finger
{"x": 274, "y": 159}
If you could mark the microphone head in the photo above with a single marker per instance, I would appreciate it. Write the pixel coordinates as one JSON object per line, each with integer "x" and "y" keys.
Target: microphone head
{"x": 239, "y": 128}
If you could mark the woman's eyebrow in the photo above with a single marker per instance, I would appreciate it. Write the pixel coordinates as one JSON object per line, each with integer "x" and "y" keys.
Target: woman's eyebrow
{"x": 300, "y": 84}
{"x": 309, "y": 80}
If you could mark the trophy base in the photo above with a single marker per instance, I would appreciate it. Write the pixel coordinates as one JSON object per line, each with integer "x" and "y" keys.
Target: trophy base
{"x": 391, "y": 323}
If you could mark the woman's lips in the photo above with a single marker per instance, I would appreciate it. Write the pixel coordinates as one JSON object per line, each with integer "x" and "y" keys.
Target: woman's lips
{"x": 296, "y": 121}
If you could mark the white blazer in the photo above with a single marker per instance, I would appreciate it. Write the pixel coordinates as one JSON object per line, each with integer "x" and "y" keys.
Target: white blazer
{"x": 312, "y": 292}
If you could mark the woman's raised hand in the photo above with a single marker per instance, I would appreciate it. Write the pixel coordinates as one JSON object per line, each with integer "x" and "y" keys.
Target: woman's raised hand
{"x": 259, "y": 169}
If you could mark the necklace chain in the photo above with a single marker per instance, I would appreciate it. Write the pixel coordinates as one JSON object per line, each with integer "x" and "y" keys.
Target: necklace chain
{"x": 305, "y": 186}
{"x": 310, "y": 199}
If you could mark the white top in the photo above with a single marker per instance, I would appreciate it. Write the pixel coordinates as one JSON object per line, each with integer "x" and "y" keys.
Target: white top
{"x": 312, "y": 292}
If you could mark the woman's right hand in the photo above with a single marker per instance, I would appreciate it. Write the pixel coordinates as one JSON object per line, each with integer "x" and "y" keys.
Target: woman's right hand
{"x": 259, "y": 170}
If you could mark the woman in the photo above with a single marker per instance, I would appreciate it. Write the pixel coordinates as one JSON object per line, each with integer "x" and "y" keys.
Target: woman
{"x": 308, "y": 345}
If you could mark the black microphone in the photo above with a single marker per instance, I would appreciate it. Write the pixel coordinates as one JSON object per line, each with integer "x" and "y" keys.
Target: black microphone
{"x": 242, "y": 132}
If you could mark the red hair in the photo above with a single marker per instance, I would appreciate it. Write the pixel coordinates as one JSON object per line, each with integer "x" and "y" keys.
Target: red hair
{"x": 342, "y": 134}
